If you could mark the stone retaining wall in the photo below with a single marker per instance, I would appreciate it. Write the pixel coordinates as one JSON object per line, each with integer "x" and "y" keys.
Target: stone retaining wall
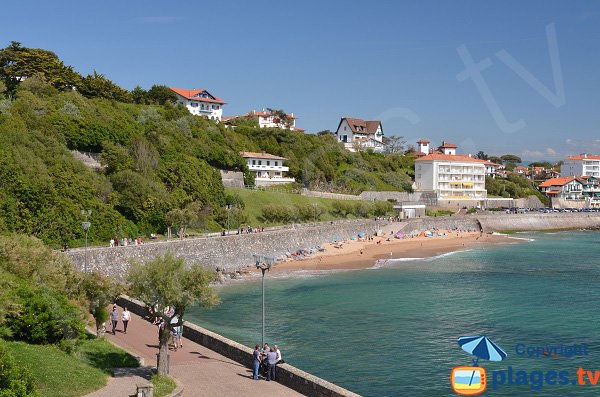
{"x": 229, "y": 253}
{"x": 288, "y": 375}
{"x": 232, "y": 253}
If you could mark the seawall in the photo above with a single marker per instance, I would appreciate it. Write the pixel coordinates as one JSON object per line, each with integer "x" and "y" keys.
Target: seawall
{"x": 288, "y": 375}
{"x": 232, "y": 253}
{"x": 229, "y": 253}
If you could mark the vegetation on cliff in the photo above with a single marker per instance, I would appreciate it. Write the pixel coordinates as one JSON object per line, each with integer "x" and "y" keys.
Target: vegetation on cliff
{"x": 160, "y": 164}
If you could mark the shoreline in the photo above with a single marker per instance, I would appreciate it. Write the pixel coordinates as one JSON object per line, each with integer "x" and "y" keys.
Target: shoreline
{"x": 365, "y": 254}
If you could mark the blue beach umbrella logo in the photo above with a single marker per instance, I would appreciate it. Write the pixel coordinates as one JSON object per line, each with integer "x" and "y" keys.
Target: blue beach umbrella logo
{"x": 468, "y": 381}
{"x": 481, "y": 347}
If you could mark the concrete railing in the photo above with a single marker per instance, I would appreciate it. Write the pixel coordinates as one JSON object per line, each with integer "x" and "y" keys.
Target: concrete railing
{"x": 287, "y": 375}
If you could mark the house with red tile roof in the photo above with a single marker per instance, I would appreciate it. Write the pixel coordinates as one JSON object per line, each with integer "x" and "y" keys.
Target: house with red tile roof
{"x": 358, "y": 134}
{"x": 564, "y": 187}
{"x": 269, "y": 119}
{"x": 200, "y": 102}
{"x": 581, "y": 165}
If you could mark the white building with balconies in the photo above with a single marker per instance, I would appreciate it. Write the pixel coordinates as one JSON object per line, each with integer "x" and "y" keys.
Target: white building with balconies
{"x": 268, "y": 169}
{"x": 451, "y": 176}
{"x": 581, "y": 165}
{"x": 200, "y": 103}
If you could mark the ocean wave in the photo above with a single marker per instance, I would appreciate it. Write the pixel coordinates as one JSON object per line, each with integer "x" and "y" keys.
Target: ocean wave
{"x": 523, "y": 238}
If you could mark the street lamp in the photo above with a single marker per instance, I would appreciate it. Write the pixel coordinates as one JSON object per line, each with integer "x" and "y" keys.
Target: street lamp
{"x": 228, "y": 207}
{"x": 263, "y": 263}
{"x": 314, "y": 205}
{"x": 86, "y": 226}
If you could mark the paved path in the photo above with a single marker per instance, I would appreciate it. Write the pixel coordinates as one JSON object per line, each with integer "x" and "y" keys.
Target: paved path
{"x": 201, "y": 371}
{"x": 123, "y": 382}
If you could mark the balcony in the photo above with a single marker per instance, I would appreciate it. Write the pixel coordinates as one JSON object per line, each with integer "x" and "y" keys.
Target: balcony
{"x": 253, "y": 167}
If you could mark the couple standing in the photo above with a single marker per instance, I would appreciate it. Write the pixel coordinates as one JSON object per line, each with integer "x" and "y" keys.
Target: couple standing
{"x": 114, "y": 318}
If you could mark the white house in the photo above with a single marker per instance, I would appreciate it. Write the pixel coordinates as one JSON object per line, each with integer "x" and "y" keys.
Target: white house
{"x": 200, "y": 103}
{"x": 360, "y": 134}
{"x": 564, "y": 187}
{"x": 269, "y": 169}
{"x": 491, "y": 168}
{"x": 449, "y": 175}
{"x": 267, "y": 119}
{"x": 581, "y": 165}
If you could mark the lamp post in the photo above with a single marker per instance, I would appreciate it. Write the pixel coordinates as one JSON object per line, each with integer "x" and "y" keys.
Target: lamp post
{"x": 86, "y": 226}
{"x": 314, "y": 205}
{"x": 263, "y": 263}
{"x": 228, "y": 208}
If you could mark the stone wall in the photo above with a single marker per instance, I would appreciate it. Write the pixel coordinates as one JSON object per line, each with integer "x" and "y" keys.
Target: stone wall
{"x": 447, "y": 222}
{"x": 526, "y": 222}
{"x": 288, "y": 375}
{"x": 229, "y": 253}
{"x": 232, "y": 179}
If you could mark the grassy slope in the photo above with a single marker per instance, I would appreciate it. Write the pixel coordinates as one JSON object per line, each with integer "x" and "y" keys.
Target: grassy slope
{"x": 58, "y": 374}
{"x": 163, "y": 385}
{"x": 255, "y": 200}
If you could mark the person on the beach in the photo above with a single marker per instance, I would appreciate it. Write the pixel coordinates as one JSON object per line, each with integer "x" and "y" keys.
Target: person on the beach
{"x": 114, "y": 318}
{"x": 255, "y": 362}
{"x": 125, "y": 317}
{"x": 272, "y": 363}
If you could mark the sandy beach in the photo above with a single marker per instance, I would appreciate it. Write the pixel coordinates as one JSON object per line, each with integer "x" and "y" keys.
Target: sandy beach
{"x": 363, "y": 254}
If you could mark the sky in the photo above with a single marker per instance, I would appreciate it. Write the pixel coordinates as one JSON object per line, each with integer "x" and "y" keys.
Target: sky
{"x": 502, "y": 77}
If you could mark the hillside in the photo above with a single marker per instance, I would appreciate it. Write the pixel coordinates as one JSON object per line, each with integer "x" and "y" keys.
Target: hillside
{"x": 160, "y": 164}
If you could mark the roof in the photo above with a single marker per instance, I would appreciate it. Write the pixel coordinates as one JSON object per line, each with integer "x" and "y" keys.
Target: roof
{"x": 267, "y": 114}
{"x": 423, "y": 141}
{"x": 448, "y": 145}
{"x": 370, "y": 126}
{"x": 488, "y": 162}
{"x": 263, "y": 155}
{"x": 584, "y": 157}
{"x": 561, "y": 181}
{"x": 450, "y": 157}
{"x": 554, "y": 192}
{"x": 191, "y": 95}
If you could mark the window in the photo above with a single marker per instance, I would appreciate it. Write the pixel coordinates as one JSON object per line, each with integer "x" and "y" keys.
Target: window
{"x": 268, "y": 162}
{"x": 344, "y": 137}
{"x": 344, "y": 129}
{"x": 253, "y": 162}
{"x": 259, "y": 162}
{"x": 276, "y": 164}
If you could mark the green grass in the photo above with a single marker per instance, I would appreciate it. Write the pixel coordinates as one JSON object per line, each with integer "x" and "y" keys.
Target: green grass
{"x": 163, "y": 385}
{"x": 255, "y": 200}
{"x": 58, "y": 374}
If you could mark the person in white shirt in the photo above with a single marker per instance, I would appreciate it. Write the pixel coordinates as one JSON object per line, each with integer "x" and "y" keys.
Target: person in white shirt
{"x": 279, "y": 360}
{"x": 125, "y": 317}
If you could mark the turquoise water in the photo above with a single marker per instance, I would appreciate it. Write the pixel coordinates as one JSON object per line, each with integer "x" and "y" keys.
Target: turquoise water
{"x": 393, "y": 331}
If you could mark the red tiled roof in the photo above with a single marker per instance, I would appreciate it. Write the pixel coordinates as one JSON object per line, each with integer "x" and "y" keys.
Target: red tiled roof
{"x": 561, "y": 181}
{"x": 423, "y": 141}
{"x": 256, "y": 155}
{"x": 448, "y": 145}
{"x": 584, "y": 157}
{"x": 553, "y": 192}
{"x": 190, "y": 95}
{"x": 266, "y": 114}
{"x": 450, "y": 157}
{"x": 369, "y": 127}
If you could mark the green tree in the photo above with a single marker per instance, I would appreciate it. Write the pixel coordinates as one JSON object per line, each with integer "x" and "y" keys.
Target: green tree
{"x": 160, "y": 95}
{"x": 96, "y": 85}
{"x": 99, "y": 291}
{"x": 481, "y": 155}
{"x": 168, "y": 286}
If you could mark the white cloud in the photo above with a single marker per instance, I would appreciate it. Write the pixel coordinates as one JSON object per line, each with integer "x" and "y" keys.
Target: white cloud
{"x": 570, "y": 142}
{"x": 550, "y": 152}
{"x": 532, "y": 153}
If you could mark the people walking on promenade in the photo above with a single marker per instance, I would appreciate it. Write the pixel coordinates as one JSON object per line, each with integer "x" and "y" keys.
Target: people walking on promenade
{"x": 125, "y": 317}
{"x": 255, "y": 362}
{"x": 272, "y": 363}
{"x": 114, "y": 318}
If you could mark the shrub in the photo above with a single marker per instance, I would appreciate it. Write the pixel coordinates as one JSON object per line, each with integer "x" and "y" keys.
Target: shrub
{"x": 15, "y": 381}
{"x": 43, "y": 316}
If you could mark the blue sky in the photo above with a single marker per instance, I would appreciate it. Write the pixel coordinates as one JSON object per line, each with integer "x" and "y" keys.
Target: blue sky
{"x": 395, "y": 61}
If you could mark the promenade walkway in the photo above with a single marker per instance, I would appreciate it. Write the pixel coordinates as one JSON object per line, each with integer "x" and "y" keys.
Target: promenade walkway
{"x": 201, "y": 371}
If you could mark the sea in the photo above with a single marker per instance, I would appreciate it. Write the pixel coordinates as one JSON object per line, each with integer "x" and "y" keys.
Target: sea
{"x": 393, "y": 329}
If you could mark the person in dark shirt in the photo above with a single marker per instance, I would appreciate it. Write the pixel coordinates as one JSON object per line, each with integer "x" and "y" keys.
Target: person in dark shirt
{"x": 255, "y": 362}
